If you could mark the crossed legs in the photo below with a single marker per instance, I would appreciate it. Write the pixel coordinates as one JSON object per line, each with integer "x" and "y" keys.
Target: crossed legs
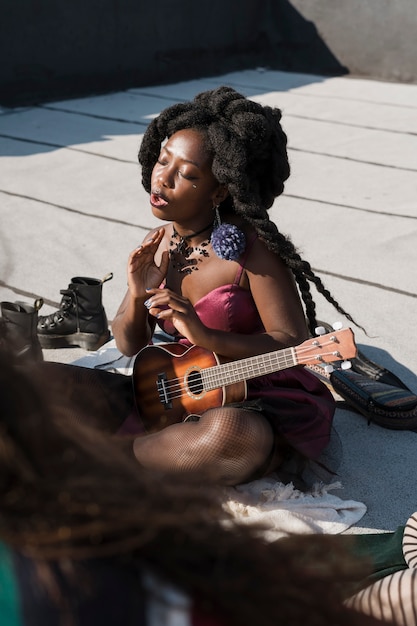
{"x": 225, "y": 446}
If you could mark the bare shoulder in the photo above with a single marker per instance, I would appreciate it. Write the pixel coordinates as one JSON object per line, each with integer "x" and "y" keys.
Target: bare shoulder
{"x": 275, "y": 293}
{"x": 262, "y": 261}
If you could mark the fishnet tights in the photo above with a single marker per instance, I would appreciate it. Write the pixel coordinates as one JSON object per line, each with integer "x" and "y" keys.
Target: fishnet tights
{"x": 226, "y": 446}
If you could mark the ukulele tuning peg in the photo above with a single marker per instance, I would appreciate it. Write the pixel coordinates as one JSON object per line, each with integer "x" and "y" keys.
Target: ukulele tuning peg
{"x": 337, "y": 325}
{"x": 328, "y": 369}
{"x": 346, "y": 365}
{"x": 320, "y": 330}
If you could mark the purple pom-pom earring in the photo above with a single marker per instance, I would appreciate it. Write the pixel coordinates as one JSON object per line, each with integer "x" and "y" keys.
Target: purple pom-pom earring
{"x": 227, "y": 240}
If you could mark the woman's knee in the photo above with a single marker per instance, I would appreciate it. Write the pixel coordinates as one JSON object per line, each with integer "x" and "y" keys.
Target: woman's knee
{"x": 240, "y": 440}
{"x": 234, "y": 424}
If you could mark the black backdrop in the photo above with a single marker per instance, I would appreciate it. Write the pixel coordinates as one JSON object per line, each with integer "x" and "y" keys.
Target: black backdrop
{"x": 66, "y": 48}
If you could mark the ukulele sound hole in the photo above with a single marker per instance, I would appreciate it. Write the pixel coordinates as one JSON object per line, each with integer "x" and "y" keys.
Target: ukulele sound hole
{"x": 195, "y": 383}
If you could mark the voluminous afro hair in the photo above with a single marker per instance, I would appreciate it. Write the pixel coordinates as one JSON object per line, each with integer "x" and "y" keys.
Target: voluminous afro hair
{"x": 249, "y": 152}
{"x": 246, "y": 140}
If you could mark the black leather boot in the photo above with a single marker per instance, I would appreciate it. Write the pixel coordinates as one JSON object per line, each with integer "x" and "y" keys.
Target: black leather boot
{"x": 81, "y": 319}
{"x": 18, "y": 329}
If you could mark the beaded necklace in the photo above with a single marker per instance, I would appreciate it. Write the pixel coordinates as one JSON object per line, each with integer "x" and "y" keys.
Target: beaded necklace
{"x": 181, "y": 250}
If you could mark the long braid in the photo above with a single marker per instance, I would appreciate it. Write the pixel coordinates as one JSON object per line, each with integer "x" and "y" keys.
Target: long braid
{"x": 249, "y": 151}
{"x": 303, "y": 273}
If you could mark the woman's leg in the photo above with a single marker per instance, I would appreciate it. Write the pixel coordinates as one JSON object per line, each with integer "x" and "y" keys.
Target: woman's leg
{"x": 225, "y": 446}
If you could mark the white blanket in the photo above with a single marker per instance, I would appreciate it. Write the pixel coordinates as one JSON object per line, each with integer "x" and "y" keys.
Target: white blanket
{"x": 281, "y": 508}
{"x": 285, "y": 510}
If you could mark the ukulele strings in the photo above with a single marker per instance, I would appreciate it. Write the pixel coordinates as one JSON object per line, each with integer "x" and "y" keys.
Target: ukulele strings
{"x": 177, "y": 388}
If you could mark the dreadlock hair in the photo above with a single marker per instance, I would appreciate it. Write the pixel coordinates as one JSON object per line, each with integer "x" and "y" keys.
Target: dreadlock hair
{"x": 249, "y": 152}
{"x": 71, "y": 493}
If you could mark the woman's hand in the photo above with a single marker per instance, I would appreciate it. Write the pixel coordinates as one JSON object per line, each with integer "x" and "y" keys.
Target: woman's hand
{"x": 131, "y": 326}
{"x": 168, "y": 305}
{"x": 142, "y": 271}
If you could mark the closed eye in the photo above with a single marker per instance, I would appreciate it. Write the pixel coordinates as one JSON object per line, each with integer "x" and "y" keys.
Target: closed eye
{"x": 186, "y": 176}
{"x": 164, "y": 162}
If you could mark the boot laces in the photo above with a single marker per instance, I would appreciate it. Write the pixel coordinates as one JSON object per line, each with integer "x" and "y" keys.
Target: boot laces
{"x": 55, "y": 318}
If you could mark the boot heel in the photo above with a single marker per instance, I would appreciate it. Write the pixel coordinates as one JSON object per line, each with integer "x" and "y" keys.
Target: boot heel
{"x": 91, "y": 342}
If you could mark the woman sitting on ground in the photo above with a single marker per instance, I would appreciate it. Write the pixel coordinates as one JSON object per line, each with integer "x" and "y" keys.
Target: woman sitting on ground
{"x": 220, "y": 275}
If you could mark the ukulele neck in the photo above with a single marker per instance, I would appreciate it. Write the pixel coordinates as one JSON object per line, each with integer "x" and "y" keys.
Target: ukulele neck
{"x": 245, "y": 369}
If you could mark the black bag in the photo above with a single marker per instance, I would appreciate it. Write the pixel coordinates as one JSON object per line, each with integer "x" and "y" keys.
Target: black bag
{"x": 388, "y": 405}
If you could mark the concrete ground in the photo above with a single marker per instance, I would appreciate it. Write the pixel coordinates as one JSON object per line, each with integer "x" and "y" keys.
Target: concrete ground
{"x": 72, "y": 204}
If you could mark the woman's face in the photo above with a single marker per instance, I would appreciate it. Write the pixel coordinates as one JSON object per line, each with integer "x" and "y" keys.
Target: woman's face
{"x": 183, "y": 188}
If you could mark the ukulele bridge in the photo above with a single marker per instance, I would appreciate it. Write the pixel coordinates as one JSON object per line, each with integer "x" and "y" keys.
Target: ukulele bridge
{"x": 163, "y": 393}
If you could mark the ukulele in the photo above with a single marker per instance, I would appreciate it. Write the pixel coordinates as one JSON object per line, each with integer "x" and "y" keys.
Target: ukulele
{"x": 172, "y": 381}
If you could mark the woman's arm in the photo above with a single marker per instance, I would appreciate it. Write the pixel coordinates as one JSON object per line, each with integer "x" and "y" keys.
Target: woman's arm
{"x": 132, "y": 327}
